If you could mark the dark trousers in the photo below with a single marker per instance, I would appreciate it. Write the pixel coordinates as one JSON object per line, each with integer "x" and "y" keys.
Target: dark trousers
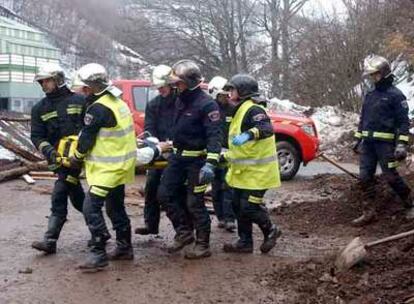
{"x": 222, "y": 196}
{"x": 115, "y": 209}
{"x": 184, "y": 171}
{"x": 152, "y": 208}
{"x": 67, "y": 186}
{"x": 249, "y": 210}
{"x": 372, "y": 153}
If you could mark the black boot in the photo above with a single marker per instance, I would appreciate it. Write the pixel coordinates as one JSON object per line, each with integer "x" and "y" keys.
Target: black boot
{"x": 123, "y": 250}
{"x": 201, "y": 248}
{"x": 368, "y": 204}
{"x": 145, "y": 230}
{"x": 238, "y": 247}
{"x": 48, "y": 245}
{"x": 106, "y": 236}
{"x": 97, "y": 258}
{"x": 180, "y": 241}
{"x": 230, "y": 226}
{"x": 245, "y": 242}
{"x": 368, "y": 215}
{"x": 271, "y": 234}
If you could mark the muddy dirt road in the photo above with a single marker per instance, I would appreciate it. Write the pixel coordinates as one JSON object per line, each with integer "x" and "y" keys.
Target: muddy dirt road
{"x": 155, "y": 276}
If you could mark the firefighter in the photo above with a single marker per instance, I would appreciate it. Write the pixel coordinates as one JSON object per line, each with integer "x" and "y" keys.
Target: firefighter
{"x": 107, "y": 146}
{"x": 55, "y": 121}
{"x": 159, "y": 114}
{"x": 197, "y": 140}
{"x": 221, "y": 192}
{"x": 382, "y": 137}
{"x": 253, "y": 167}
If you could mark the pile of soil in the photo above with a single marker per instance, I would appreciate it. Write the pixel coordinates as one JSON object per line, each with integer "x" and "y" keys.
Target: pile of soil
{"x": 386, "y": 275}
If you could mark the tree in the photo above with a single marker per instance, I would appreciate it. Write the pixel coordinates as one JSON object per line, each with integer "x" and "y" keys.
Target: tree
{"x": 214, "y": 33}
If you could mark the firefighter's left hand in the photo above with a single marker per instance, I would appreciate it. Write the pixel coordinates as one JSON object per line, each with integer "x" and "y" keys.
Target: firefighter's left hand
{"x": 206, "y": 175}
{"x": 241, "y": 139}
{"x": 76, "y": 163}
{"x": 400, "y": 152}
{"x": 165, "y": 146}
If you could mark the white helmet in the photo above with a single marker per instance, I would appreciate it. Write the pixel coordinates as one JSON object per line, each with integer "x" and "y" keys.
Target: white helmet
{"x": 77, "y": 82}
{"x": 51, "y": 70}
{"x": 216, "y": 86}
{"x": 160, "y": 75}
{"x": 94, "y": 74}
{"x": 375, "y": 63}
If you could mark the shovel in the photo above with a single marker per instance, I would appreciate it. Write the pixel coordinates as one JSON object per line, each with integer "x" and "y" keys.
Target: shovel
{"x": 356, "y": 250}
{"x": 323, "y": 156}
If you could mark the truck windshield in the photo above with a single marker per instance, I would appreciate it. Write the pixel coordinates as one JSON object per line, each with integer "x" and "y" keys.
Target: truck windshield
{"x": 141, "y": 96}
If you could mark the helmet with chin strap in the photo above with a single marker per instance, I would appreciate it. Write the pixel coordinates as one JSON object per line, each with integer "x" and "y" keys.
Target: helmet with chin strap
{"x": 245, "y": 85}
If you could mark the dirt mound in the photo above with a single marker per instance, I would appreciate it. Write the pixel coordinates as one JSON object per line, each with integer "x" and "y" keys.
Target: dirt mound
{"x": 340, "y": 202}
{"x": 386, "y": 276}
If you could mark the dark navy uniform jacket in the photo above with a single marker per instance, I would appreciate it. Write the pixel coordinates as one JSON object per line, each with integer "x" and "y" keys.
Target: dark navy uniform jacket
{"x": 57, "y": 115}
{"x": 159, "y": 116}
{"x": 197, "y": 124}
{"x": 384, "y": 114}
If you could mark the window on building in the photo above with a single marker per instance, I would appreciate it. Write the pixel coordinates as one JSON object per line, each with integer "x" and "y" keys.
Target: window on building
{"x": 4, "y": 59}
{"x": 4, "y": 76}
{"x": 17, "y": 105}
{"x": 4, "y": 103}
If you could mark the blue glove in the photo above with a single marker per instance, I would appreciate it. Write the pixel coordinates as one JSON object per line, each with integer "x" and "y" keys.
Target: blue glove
{"x": 206, "y": 175}
{"x": 241, "y": 139}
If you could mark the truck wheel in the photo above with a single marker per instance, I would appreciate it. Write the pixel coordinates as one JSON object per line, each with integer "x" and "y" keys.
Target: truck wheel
{"x": 289, "y": 159}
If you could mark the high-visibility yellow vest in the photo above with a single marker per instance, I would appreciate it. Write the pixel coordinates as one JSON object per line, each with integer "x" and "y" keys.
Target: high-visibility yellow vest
{"x": 253, "y": 165}
{"x": 111, "y": 162}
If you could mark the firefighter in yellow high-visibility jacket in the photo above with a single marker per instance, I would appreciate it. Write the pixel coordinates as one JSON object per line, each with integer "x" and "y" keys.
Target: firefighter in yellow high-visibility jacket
{"x": 253, "y": 167}
{"x": 107, "y": 146}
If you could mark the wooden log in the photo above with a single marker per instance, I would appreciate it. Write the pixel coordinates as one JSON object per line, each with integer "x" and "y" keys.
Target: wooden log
{"x": 8, "y": 144}
{"x": 10, "y": 166}
{"x": 7, "y": 117}
{"x": 35, "y": 166}
{"x": 16, "y": 172}
{"x": 44, "y": 178}
{"x": 13, "y": 173}
{"x": 42, "y": 173}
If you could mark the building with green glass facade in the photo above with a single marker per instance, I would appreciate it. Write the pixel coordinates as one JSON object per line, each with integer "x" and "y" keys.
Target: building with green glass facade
{"x": 22, "y": 50}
